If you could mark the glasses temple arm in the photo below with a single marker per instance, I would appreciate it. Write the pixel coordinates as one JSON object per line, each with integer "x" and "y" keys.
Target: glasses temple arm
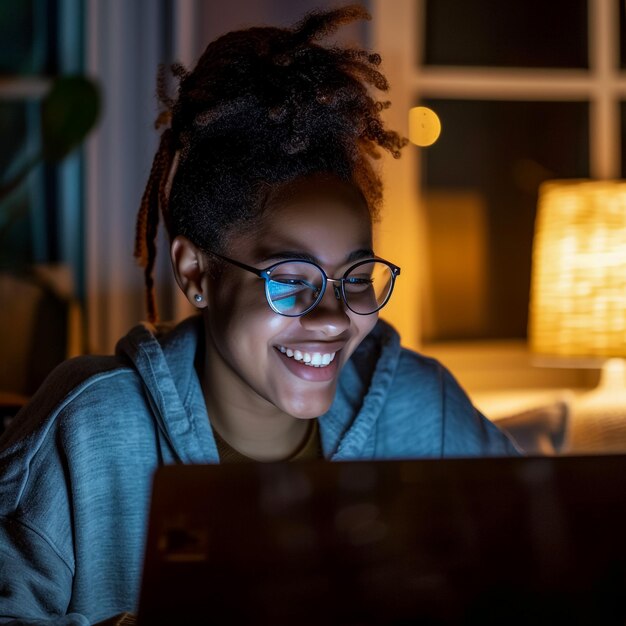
{"x": 243, "y": 266}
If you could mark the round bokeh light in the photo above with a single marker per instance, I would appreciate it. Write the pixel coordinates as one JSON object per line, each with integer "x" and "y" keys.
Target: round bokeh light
{"x": 424, "y": 126}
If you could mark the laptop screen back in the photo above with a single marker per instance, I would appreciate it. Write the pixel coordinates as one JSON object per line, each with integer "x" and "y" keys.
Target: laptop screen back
{"x": 535, "y": 540}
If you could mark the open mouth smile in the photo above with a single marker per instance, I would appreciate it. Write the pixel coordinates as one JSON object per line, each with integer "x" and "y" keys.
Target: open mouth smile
{"x": 312, "y": 359}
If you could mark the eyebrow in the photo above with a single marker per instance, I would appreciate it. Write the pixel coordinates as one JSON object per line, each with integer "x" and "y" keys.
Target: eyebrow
{"x": 356, "y": 255}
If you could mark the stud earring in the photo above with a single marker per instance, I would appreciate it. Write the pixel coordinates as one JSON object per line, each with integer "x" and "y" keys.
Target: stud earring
{"x": 198, "y": 298}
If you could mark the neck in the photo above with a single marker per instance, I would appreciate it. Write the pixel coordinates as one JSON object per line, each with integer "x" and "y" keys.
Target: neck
{"x": 247, "y": 422}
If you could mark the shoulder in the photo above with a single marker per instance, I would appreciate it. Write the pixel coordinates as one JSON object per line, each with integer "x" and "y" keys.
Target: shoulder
{"x": 34, "y": 461}
{"x": 412, "y": 364}
{"x": 82, "y": 381}
{"x": 71, "y": 421}
{"x": 89, "y": 415}
{"x": 426, "y": 389}
{"x": 401, "y": 374}
{"x": 69, "y": 450}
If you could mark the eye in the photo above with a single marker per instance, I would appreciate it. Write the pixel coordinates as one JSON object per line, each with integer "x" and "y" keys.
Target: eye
{"x": 358, "y": 284}
{"x": 288, "y": 279}
{"x": 284, "y": 287}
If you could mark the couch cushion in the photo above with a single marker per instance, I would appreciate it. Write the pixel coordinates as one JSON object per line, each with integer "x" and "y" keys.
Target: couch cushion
{"x": 542, "y": 430}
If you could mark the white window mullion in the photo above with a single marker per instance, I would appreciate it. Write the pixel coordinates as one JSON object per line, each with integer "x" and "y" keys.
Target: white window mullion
{"x": 395, "y": 26}
{"x": 488, "y": 83}
{"x": 604, "y": 122}
{"x": 24, "y": 87}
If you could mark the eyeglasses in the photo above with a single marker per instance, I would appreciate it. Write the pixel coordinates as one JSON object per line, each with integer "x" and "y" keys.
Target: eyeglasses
{"x": 294, "y": 287}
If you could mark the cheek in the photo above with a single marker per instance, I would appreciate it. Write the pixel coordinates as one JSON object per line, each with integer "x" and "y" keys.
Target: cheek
{"x": 364, "y": 324}
{"x": 230, "y": 298}
{"x": 240, "y": 318}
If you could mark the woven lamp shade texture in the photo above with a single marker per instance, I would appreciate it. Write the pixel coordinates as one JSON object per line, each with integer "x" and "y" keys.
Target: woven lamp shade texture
{"x": 578, "y": 287}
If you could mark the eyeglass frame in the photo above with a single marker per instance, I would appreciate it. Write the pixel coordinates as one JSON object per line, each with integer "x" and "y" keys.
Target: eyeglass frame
{"x": 339, "y": 294}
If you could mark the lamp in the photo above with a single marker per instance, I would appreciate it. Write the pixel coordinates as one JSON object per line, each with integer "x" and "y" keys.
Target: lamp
{"x": 578, "y": 299}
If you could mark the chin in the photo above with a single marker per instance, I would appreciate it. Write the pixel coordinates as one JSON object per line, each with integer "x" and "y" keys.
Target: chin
{"x": 300, "y": 408}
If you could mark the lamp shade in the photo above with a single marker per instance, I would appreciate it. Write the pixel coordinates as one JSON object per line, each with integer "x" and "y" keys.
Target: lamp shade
{"x": 578, "y": 286}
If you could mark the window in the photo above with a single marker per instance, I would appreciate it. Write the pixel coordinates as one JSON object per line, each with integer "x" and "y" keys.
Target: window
{"x": 41, "y": 220}
{"x": 525, "y": 92}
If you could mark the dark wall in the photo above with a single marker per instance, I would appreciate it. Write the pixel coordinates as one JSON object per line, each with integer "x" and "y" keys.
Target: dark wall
{"x": 218, "y": 18}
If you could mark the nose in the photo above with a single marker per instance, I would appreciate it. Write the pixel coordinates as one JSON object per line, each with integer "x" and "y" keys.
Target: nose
{"x": 329, "y": 316}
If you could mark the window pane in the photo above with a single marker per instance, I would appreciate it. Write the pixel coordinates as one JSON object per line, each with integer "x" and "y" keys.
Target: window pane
{"x": 531, "y": 33}
{"x": 16, "y": 247}
{"x": 27, "y": 212}
{"x": 13, "y": 124}
{"x": 24, "y": 32}
{"x": 480, "y": 184}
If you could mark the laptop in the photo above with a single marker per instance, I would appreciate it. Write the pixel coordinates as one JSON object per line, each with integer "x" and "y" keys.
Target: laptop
{"x": 462, "y": 541}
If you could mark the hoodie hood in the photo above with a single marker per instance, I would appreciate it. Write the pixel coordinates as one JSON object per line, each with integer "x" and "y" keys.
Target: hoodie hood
{"x": 164, "y": 360}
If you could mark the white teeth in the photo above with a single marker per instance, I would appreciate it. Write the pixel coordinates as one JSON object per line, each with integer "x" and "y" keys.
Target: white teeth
{"x": 312, "y": 359}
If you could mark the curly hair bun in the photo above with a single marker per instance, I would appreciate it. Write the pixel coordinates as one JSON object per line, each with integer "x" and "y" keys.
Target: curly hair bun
{"x": 263, "y": 107}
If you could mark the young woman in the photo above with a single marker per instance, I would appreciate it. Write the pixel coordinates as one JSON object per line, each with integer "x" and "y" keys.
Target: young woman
{"x": 265, "y": 183}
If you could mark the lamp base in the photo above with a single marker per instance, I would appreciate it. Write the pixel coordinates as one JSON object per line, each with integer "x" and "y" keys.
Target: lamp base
{"x": 598, "y": 418}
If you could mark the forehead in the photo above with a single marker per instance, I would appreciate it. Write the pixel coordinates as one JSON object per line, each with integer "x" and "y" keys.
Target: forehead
{"x": 327, "y": 218}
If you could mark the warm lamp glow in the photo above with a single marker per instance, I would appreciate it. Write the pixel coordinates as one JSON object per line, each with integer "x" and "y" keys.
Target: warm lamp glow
{"x": 424, "y": 126}
{"x": 578, "y": 293}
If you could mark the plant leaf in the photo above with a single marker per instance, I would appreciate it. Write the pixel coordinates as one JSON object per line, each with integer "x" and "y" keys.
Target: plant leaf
{"x": 68, "y": 112}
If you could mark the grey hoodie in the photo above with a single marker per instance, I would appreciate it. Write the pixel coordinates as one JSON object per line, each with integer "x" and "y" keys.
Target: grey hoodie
{"x": 76, "y": 464}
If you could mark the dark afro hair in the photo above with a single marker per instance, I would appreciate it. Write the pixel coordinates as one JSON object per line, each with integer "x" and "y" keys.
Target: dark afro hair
{"x": 262, "y": 108}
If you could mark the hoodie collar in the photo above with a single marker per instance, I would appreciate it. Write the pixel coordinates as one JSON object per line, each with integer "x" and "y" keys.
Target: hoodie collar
{"x": 165, "y": 363}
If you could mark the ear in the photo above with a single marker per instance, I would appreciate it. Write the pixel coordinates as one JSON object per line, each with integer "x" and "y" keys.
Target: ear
{"x": 190, "y": 266}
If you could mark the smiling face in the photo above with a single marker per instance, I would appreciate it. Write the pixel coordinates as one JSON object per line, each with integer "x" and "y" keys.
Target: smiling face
{"x": 258, "y": 357}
